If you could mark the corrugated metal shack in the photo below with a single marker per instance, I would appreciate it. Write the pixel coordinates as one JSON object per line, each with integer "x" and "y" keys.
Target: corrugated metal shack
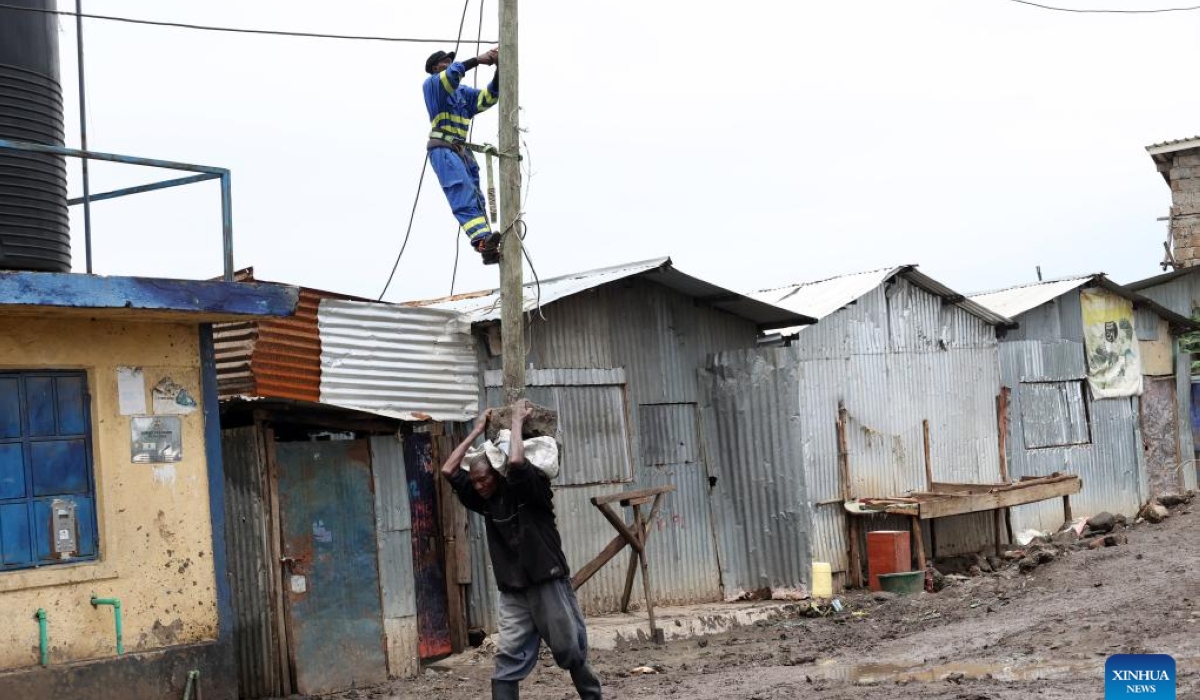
{"x": 1118, "y": 446}
{"x": 338, "y": 534}
{"x": 896, "y": 348}
{"x": 617, "y": 351}
{"x": 1179, "y": 291}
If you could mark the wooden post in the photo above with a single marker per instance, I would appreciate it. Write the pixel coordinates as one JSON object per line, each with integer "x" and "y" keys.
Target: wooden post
{"x": 512, "y": 298}
{"x": 856, "y": 579}
{"x": 655, "y": 635}
{"x": 919, "y": 542}
{"x": 1002, "y": 430}
{"x": 928, "y": 461}
{"x": 1067, "y": 516}
{"x": 997, "y": 529}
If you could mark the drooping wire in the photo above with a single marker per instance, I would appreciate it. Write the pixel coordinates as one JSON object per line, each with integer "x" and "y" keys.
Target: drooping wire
{"x": 234, "y": 30}
{"x": 417, "y": 198}
{"x": 412, "y": 215}
{"x": 1053, "y": 8}
{"x": 471, "y": 131}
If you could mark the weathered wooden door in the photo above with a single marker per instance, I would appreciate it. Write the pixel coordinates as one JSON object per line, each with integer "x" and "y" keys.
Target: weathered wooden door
{"x": 1160, "y": 436}
{"x": 331, "y": 573}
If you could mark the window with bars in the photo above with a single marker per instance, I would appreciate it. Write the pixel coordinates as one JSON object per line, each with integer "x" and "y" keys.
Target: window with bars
{"x": 47, "y": 489}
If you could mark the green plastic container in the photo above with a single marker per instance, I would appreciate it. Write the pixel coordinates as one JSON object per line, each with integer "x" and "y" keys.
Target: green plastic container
{"x": 903, "y": 583}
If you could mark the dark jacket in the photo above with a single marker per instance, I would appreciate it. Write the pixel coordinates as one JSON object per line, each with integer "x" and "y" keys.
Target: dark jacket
{"x": 522, "y": 536}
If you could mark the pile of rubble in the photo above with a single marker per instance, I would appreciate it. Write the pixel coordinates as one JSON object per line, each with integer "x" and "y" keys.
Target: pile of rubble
{"x": 1099, "y": 531}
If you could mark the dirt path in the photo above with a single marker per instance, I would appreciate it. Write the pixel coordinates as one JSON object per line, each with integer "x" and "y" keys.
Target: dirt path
{"x": 996, "y": 637}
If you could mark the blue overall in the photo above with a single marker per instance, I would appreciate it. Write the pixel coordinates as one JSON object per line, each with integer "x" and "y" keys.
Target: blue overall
{"x": 451, "y": 107}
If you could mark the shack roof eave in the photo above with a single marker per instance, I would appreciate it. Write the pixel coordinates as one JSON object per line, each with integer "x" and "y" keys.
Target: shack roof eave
{"x": 142, "y": 298}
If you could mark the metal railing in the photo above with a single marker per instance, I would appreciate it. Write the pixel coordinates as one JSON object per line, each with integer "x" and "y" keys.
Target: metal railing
{"x": 206, "y": 172}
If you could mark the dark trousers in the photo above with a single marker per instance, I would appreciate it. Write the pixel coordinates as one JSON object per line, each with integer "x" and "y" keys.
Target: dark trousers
{"x": 546, "y": 611}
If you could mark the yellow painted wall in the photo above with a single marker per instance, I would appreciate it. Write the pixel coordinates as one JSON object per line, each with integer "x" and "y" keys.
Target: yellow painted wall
{"x": 1157, "y": 357}
{"x": 154, "y": 530}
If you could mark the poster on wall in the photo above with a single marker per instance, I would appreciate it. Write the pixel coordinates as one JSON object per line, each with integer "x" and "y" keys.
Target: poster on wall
{"x": 131, "y": 391}
{"x": 170, "y": 398}
{"x": 156, "y": 439}
{"x": 1114, "y": 364}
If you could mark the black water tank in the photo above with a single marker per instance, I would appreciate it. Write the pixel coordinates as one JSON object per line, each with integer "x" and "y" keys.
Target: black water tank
{"x": 34, "y": 231}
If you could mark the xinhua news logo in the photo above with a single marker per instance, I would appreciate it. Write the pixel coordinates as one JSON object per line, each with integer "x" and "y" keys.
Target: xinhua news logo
{"x": 1139, "y": 676}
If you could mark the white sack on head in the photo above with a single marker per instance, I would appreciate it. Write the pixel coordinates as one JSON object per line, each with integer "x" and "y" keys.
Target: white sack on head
{"x": 540, "y": 452}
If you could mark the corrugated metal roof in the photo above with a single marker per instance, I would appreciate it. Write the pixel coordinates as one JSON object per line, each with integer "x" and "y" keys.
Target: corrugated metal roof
{"x": 485, "y": 305}
{"x": 1161, "y": 279}
{"x": 823, "y": 297}
{"x": 397, "y": 361}
{"x": 1014, "y": 301}
{"x": 1172, "y": 146}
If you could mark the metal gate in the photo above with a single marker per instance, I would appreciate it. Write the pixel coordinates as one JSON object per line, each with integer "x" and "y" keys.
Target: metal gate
{"x": 331, "y": 575}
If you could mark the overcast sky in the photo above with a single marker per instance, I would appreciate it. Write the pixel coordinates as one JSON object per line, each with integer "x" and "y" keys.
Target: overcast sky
{"x": 757, "y": 144}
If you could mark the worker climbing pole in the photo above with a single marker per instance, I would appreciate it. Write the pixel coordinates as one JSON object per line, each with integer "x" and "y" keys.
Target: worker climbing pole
{"x": 451, "y": 107}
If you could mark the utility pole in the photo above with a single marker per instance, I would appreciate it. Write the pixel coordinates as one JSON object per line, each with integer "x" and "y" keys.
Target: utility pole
{"x": 512, "y": 295}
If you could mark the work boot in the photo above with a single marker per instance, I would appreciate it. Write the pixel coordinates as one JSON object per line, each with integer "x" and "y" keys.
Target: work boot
{"x": 586, "y": 683}
{"x": 507, "y": 690}
{"x": 489, "y": 248}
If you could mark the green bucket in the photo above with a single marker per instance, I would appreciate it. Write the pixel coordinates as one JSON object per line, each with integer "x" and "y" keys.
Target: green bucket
{"x": 903, "y": 583}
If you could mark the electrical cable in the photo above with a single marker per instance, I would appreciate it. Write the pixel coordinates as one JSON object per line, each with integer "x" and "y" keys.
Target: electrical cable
{"x": 411, "y": 217}
{"x": 233, "y": 30}
{"x": 1106, "y": 12}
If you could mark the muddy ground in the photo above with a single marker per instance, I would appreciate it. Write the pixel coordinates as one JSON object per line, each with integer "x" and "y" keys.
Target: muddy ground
{"x": 995, "y": 637}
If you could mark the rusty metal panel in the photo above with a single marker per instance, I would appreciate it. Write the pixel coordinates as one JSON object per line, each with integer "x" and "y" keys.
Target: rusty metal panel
{"x": 332, "y": 590}
{"x": 287, "y": 356}
{"x": 1160, "y": 434}
{"x": 668, "y": 434}
{"x": 751, "y": 410}
{"x": 407, "y": 363}
{"x": 233, "y": 344}
{"x": 251, "y": 569}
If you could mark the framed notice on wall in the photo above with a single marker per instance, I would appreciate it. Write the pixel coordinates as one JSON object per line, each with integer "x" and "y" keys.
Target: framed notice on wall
{"x": 156, "y": 439}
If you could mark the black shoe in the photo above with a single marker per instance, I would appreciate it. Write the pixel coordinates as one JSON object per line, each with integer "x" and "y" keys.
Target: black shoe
{"x": 489, "y": 248}
{"x": 586, "y": 683}
{"x": 506, "y": 690}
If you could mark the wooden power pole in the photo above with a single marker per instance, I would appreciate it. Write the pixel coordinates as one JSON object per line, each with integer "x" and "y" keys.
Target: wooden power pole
{"x": 512, "y": 297}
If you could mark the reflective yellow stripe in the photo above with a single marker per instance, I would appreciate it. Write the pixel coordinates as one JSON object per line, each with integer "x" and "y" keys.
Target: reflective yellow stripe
{"x": 465, "y": 121}
{"x": 453, "y": 130}
{"x": 484, "y": 101}
{"x": 446, "y": 82}
{"x": 473, "y": 223}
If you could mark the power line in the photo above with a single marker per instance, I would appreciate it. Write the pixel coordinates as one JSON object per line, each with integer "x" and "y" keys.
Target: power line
{"x": 233, "y": 30}
{"x": 411, "y": 216}
{"x": 1106, "y": 12}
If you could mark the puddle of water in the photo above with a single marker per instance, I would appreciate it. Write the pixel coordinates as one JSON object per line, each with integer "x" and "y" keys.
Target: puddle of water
{"x": 870, "y": 674}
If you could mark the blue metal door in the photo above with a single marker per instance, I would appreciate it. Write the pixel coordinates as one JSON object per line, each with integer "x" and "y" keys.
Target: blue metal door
{"x": 331, "y": 573}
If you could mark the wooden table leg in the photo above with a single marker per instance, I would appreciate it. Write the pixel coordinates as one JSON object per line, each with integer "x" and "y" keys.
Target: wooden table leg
{"x": 1067, "y": 516}
{"x": 655, "y": 635}
{"x": 919, "y": 541}
{"x": 856, "y": 577}
{"x": 997, "y": 529}
{"x": 633, "y": 565}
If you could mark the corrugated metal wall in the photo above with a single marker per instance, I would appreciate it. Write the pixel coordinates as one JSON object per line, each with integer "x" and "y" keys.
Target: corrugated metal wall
{"x": 658, "y": 339}
{"x": 234, "y": 347}
{"x": 752, "y": 416}
{"x": 255, "y": 633}
{"x": 1181, "y": 295}
{"x": 394, "y": 535}
{"x": 896, "y": 357}
{"x": 1109, "y": 465}
{"x": 411, "y": 363}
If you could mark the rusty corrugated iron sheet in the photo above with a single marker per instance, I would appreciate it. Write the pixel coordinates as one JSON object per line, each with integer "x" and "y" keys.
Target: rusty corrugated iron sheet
{"x": 234, "y": 346}
{"x": 286, "y": 361}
